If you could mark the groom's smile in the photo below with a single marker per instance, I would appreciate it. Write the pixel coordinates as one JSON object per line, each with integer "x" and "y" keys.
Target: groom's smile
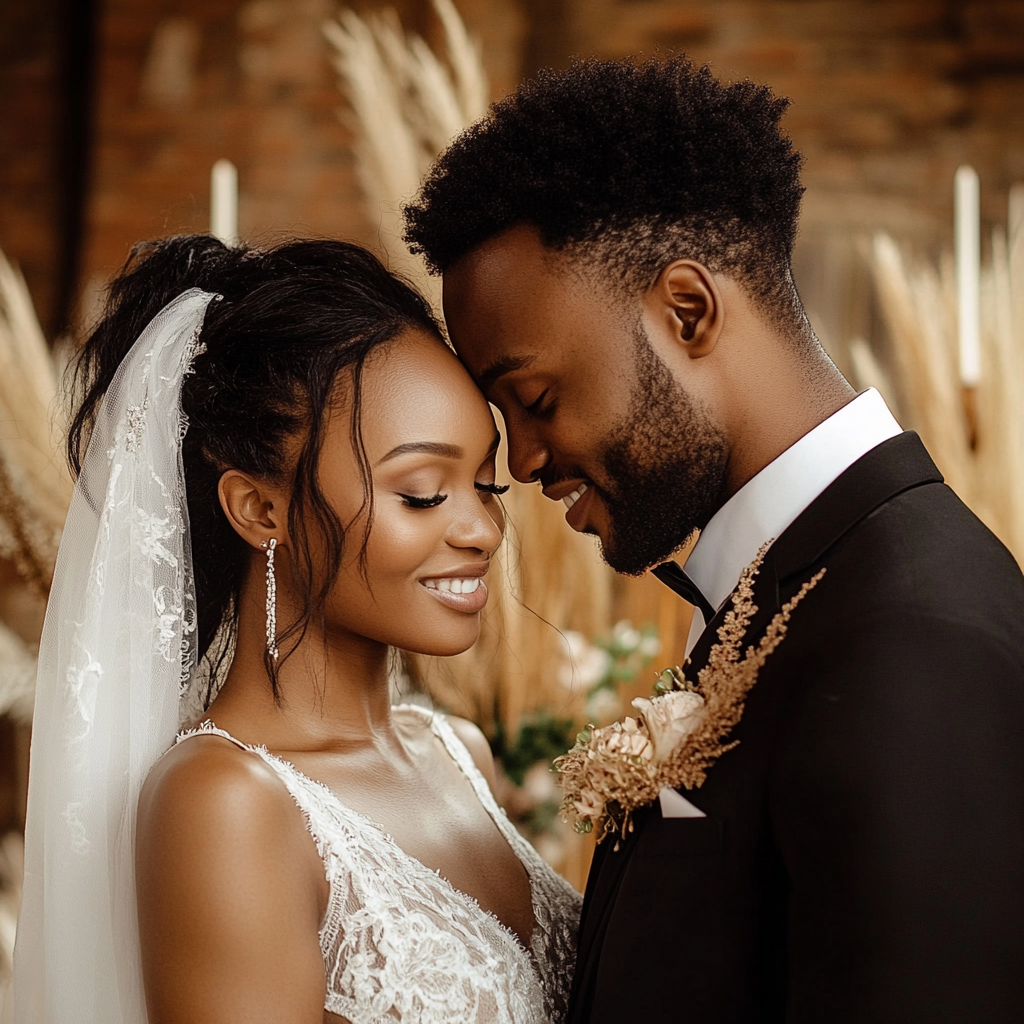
{"x": 571, "y": 493}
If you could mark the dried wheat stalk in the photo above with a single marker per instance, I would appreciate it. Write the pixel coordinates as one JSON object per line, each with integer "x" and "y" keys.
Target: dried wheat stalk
{"x": 918, "y": 302}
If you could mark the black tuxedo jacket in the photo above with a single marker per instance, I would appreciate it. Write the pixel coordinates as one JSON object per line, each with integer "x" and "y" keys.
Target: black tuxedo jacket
{"x": 862, "y": 858}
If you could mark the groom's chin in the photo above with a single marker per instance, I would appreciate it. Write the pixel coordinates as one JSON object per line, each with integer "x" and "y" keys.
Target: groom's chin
{"x": 633, "y": 556}
{"x": 629, "y": 561}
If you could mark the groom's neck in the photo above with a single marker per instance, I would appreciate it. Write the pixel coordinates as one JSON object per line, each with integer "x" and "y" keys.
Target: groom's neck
{"x": 773, "y": 391}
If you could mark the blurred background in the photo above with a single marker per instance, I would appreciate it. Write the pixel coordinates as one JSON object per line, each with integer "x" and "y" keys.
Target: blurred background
{"x": 113, "y": 113}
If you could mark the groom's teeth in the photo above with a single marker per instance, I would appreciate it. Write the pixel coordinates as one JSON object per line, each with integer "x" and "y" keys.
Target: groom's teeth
{"x": 571, "y": 499}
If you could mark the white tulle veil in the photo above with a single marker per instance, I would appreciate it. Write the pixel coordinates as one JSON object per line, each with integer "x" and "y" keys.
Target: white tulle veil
{"x": 117, "y": 655}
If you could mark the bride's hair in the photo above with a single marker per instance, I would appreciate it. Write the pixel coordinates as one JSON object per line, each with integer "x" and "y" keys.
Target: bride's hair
{"x": 291, "y": 319}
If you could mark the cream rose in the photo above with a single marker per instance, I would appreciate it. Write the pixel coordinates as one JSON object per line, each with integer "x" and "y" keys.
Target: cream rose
{"x": 669, "y": 719}
{"x": 589, "y": 803}
{"x": 627, "y": 737}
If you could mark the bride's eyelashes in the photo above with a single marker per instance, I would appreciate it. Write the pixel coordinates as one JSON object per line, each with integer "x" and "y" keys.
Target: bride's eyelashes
{"x": 496, "y": 489}
{"x": 413, "y": 501}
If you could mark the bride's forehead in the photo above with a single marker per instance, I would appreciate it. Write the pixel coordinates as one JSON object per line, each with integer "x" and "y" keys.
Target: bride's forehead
{"x": 416, "y": 388}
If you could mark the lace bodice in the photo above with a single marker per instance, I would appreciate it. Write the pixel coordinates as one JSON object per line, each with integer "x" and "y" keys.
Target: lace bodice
{"x": 400, "y": 943}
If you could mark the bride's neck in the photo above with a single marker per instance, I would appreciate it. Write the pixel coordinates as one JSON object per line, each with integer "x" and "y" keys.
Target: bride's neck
{"x": 332, "y": 692}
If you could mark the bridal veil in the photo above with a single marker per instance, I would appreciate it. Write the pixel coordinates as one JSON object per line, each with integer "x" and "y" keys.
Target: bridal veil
{"x": 117, "y": 654}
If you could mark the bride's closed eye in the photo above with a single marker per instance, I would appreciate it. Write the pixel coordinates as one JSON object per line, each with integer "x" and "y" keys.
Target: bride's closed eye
{"x": 413, "y": 501}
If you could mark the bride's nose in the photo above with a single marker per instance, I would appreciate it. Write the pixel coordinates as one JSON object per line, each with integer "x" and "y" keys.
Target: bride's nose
{"x": 473, "y": 526}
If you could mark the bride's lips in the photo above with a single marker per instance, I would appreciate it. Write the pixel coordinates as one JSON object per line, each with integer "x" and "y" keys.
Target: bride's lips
{"x": 461, "y": 590}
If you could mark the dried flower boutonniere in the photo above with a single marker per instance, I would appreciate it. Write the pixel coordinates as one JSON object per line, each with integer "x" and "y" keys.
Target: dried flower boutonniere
{"x": 680, "y": 732}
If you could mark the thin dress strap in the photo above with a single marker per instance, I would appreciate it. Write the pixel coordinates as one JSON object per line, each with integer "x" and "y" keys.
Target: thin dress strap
{"x": 207, "y": 728}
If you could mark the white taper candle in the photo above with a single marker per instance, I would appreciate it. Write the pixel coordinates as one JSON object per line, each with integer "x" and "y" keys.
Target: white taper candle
{"x": 1015, "y": 211}
{"x": 968, "y": 272}
{"x": 224, "y": 202}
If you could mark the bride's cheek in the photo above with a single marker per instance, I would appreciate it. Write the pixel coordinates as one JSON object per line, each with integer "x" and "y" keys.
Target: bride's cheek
{"x": 399, "y": 545}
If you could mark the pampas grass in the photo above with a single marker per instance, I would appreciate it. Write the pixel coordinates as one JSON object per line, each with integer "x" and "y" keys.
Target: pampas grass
{"x": 17, "y": 676}
{"x": 35, "y": 485}
{"x": 406, "y": 106}
{"x": 976, "y": 436}
{"x": 12, "y": 858}
{"x": 35, "y": 488}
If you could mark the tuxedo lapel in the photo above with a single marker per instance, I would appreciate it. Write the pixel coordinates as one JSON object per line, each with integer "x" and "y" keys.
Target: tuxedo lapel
{"x": 895, "y": 466}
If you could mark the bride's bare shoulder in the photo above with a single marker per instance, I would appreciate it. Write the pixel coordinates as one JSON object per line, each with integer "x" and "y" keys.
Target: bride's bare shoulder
{"x": 213, "y": 773}
{"x": 230, "y": 890}
{"x": 207, "y": 790}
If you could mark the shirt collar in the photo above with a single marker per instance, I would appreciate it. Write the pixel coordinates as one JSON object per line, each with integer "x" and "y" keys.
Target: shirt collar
{"x": 767, "y": 503}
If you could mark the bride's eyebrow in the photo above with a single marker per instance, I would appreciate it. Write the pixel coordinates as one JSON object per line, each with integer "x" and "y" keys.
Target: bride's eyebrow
{"x": 445, "y": 451}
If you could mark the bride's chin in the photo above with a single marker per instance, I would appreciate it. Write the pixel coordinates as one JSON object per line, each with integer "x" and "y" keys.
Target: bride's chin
{"x": 446, "y": 643}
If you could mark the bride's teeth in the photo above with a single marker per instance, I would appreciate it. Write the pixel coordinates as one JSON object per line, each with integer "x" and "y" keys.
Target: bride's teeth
{"x": 454, "y": 585}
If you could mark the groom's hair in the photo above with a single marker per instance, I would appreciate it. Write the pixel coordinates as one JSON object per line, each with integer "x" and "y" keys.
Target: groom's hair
{"x": 627, "y": 167}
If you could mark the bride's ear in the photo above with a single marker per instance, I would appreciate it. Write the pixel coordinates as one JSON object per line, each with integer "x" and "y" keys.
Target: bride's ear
{"x": 254, "y": 509}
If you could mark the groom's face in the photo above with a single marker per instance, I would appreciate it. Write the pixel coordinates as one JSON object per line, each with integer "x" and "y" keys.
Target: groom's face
{"x": 591, "y": 410}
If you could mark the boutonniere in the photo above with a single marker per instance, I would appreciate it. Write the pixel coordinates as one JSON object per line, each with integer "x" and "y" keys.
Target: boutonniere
{"x": 680, "y": 732}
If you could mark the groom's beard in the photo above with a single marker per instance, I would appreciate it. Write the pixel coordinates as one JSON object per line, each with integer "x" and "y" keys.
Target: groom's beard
{"x": 664, "y": 469}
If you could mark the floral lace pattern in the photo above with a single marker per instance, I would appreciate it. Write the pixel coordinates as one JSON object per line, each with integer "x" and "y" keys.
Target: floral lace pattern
{"x": 400, "y": 943}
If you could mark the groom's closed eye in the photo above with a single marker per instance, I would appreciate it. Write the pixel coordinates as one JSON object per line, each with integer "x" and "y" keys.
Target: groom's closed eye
{"x": 541, "y": 406}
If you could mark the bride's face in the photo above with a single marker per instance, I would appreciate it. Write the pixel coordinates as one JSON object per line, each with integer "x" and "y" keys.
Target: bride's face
{"x": 430, "y": 444}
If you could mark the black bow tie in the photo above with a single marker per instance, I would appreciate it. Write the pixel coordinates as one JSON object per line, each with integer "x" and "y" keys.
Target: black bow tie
{"x": 675, "y": 579}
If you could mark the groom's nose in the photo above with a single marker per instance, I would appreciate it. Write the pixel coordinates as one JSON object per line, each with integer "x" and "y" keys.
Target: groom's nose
{"x": 527, "y": 454}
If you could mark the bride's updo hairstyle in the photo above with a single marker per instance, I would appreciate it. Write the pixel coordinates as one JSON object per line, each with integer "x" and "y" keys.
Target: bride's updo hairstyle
{"x": 292, "y": 318}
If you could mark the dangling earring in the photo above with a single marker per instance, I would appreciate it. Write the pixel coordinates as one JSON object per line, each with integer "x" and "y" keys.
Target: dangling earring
{"x": 271, "y": 599}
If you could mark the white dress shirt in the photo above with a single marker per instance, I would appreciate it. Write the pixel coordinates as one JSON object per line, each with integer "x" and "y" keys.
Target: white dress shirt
{"x": 767, "y": 503}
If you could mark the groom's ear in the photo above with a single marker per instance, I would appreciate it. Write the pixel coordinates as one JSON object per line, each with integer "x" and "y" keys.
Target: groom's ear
{"x": 253, "y": 509}
{"x": 687, "y": 302}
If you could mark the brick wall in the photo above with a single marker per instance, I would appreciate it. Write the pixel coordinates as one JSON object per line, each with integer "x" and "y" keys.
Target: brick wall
{"x": 888, "y": 97}
{"x": 29, "y": 200}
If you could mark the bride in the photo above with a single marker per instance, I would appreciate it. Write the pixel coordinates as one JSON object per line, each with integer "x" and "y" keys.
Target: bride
{"x": 283, "y": 474}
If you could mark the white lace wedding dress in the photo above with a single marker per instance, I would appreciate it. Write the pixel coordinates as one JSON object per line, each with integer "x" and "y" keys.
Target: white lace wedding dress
{"x": 401, "y": 944}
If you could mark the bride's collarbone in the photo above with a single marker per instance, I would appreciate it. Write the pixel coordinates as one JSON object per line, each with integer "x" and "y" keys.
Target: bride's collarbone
{"x": 433, "y": 815}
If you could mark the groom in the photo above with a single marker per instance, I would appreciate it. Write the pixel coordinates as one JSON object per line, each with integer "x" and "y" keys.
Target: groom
{"x": 615, "y": 242}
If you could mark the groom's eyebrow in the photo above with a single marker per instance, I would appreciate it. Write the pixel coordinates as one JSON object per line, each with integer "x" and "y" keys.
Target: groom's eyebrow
{"x": 498, "y": 369}
{"x": 445, "y": 451}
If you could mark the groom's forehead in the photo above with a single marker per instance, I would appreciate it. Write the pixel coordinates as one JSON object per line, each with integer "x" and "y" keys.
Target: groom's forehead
{"x": 500, "y": 268}
{"x": 509, "y": 292}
